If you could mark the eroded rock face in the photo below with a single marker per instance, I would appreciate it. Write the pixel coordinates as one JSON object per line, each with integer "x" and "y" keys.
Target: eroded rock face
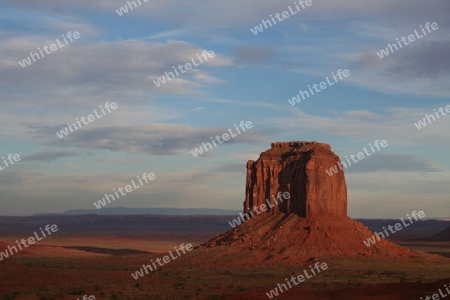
{"x": 312, "y": 224}
{"x": 297, "y": 168}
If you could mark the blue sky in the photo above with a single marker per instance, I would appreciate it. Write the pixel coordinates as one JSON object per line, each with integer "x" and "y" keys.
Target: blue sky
{"x": 251, "y": 78}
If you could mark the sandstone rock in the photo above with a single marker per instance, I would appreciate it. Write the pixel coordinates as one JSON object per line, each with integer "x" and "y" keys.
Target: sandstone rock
{"x": 313, "y": 224}
{"x": 297, "y": 168}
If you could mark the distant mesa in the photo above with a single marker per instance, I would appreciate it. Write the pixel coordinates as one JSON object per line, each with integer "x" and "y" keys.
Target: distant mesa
{"x": 443, "y": 236}
{"x": 153, "y": 211}
{"x": 312, "y": 224}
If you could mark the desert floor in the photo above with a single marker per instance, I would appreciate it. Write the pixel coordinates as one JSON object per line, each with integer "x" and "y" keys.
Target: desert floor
{"x": 77, "y": 262}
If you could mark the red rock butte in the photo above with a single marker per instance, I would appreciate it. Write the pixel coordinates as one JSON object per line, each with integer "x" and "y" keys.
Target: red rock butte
{"x": 312, "y": 224}
{"x": 297, "y": 168}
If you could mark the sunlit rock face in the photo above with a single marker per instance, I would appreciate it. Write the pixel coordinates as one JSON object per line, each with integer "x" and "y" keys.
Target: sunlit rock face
{"x": 297, "y": 168}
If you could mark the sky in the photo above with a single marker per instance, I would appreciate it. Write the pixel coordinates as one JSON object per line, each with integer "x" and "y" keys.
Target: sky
{"x": 250, "y": 78}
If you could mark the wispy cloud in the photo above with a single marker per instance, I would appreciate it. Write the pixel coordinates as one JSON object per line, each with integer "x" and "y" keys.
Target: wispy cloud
{"x": 48, "y": 156}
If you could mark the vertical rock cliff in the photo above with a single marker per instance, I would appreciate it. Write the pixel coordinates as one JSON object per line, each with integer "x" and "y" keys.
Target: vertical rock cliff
{"x": 297, "y": 168}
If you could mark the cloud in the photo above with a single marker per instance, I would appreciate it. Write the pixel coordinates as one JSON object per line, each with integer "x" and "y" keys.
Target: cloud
{"x": 48, "y": 156}
{"x": 140, "y": 64}
{"x": 153, "y": 138}
{"x": 15, "y": 178}
{"x": 392, "y": 162}
{"x": 99, "y": 68}
{"x": 206, "y": 13}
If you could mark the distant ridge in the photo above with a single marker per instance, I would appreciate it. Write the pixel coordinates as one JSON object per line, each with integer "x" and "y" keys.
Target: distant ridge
{"x": 443, "y": 236}
{"x": 153, "y": 211}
